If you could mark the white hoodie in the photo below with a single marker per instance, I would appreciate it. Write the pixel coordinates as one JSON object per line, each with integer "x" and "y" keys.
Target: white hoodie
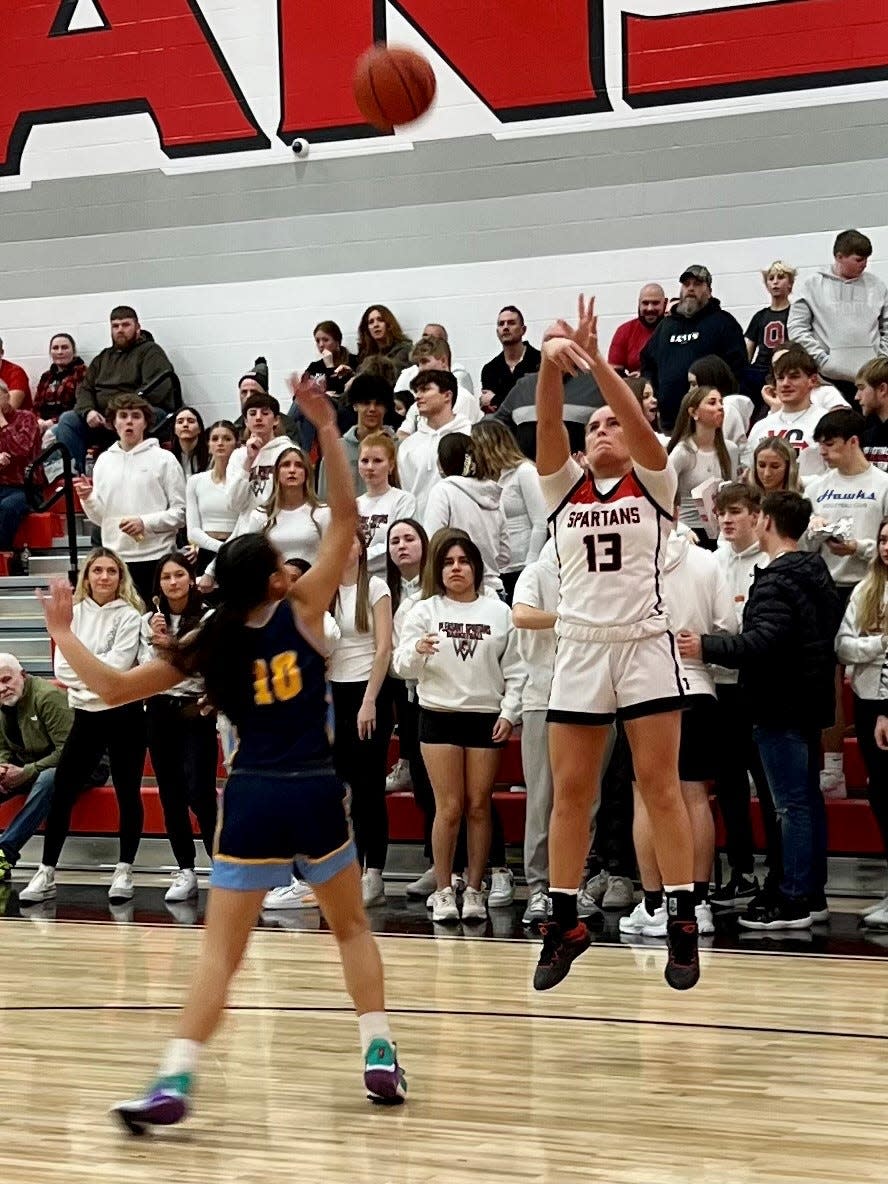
{"x": 475, "y": 506}
{"x": 865, "y": 655}
{"x": 144, "y": 482}
{"x": 477, "y": 666}
{"x": 249, "y": 487}
{"x": 418, "y": 458}
{"x": 841, "y": 323}
{"x": 738, "y": 569}
{"x": 698, "y": 599}
{"x": 111, "y": 632}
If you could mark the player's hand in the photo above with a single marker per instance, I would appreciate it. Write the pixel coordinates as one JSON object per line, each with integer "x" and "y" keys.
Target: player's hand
{"x": 882, "y": 732}
{"x": 367, "y": 719}
{"x": 428, "y": 644}
{"x": 311, "y": 399}
{"x": 689, "y": 644}
{"x": 58, "y": 607}
{"x": 502, "y": 730}
{"x": 839, "y": 548}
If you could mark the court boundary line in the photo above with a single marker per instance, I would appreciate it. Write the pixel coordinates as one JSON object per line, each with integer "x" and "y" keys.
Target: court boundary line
{"x": 458, "y": 1013}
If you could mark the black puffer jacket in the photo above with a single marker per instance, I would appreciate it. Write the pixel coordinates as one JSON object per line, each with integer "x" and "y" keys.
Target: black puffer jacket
{"x": 785, "y": 651}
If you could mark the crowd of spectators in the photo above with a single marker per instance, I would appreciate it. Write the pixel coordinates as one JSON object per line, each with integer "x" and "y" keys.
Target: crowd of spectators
{"x": 444, "y": 624}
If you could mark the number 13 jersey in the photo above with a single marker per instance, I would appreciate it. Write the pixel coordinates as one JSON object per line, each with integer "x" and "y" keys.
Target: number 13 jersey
{"x": 610, "y": 538}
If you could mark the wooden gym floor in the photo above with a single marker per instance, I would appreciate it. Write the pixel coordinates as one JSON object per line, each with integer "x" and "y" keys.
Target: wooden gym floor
{"x": 772, "y": 1070}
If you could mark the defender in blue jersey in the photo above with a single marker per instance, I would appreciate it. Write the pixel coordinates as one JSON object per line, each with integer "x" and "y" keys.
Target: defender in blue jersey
{"x": 260, "y": 654}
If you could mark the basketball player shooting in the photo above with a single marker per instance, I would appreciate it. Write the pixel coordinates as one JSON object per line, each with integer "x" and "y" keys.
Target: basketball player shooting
{"x": 616, "y": 657}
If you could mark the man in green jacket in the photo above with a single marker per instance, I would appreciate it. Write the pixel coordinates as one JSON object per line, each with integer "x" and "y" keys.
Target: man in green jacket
{"x": 35, "y": 720}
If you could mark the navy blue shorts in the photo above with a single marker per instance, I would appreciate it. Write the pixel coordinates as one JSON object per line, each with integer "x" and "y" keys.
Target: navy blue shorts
{"x": 269, "y": 821}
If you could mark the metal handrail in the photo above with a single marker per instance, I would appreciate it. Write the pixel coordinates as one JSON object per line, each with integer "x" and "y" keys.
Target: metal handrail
{"x": 39, "y": 504}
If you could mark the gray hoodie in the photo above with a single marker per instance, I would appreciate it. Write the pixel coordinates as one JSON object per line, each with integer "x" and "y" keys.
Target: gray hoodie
{"x": 841, "y": 323}
{"x": 469, "y": 504}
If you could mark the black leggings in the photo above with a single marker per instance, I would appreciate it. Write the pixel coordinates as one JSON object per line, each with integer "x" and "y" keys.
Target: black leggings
{"x": 362, "y": 766}
{"x": 866, "y": 712}
{"x": 184, "y": 753}
{"x": 120, "y": 730}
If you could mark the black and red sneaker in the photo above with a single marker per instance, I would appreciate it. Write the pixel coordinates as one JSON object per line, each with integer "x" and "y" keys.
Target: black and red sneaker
{"x": 559, "y": 950}
{"x": 683, "y": 962}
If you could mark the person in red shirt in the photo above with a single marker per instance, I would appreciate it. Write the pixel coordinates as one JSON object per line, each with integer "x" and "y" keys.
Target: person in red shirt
{"x": 19, "y": 445}
{"x": 631, "y": 338}
{"x": 16, "y": 380}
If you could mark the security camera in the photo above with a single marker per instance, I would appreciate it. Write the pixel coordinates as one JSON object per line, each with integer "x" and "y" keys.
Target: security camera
{"x": 300, "y": 148}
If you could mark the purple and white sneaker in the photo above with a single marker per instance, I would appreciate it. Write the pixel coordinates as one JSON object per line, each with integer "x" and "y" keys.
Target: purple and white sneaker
{"x": 384, "y": 1078}
{"x": 164, "y": 1104}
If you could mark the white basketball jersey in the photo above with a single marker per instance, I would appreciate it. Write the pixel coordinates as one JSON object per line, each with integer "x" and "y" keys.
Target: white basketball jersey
{"x": 610, "y": 545}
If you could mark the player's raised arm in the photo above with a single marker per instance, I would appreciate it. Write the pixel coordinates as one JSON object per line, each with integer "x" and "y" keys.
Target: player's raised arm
{"x": 316, "y": 588}
{"x": 576, "y": 351}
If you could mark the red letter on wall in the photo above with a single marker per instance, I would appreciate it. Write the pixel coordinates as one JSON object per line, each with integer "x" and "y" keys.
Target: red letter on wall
{"x": 523, "y": 58}
{"x": 158, "y": 56}
{"x": 754, "y": 49}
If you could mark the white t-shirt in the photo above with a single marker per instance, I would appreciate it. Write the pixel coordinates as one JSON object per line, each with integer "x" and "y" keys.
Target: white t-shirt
{"x": 864, "y": 499}
{"x": 207, "y": 509}
{"x": 375, "y": 515}
{"x": 795, "y": 428}
{"x": 353, "y": 654}
{"x": 296, "y": 533}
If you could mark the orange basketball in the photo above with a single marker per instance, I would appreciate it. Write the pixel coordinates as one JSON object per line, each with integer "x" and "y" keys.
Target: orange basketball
{"x": 393, "y": 86}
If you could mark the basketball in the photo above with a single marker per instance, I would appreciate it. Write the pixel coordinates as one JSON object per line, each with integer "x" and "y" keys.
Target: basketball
{"x": 393, "y": 86}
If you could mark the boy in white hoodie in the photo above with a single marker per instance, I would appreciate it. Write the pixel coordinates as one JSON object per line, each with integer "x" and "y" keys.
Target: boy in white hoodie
{"x": 469, "y": 498}
{"x": 136, "y": 494}
{"x": 435, "y": 392}
{"x": 250, "y": 473}
{"x": 737, "y": 506}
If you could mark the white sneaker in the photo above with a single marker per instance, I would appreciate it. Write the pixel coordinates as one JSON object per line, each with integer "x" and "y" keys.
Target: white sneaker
{"x": 832, "y": 786}
{"x": 877, "y": 919}
{"x": 183, "y": 886}
{"x": 620, "y": 893}
{"x": 399, "y": 778}
{"x": 473, "y": 905}
{"x": 295, "y": 895}
{"x": 444, "y": 905}
{"x": 423, "y": 886}
{"x": 875, "y": 908}
{"x": 539, "y": 908}
{"x": 42, "y": 886}
{"x": 372, "y": 888}
{"x": 457, "y": 883}
{"x": 640, "y": 919}
{"x": 502, "y": 889}
{"x": 705, "y": 923}
{"x": 122, "y": 886}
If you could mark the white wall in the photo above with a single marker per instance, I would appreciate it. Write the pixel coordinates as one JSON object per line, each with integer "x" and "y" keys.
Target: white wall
{"x": 213, "y": 332}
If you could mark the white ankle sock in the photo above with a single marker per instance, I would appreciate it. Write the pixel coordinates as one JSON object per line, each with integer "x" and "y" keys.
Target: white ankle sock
{"x": 374, "y": 1025}
{"x": 180, "y": 1056}
{"x": 833, "y": 762}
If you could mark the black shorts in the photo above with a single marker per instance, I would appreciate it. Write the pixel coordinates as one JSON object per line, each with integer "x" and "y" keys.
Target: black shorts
{"x": 698, "y": 751}
{"x": 463, "y": 729}
{"x": 269, "y": 820}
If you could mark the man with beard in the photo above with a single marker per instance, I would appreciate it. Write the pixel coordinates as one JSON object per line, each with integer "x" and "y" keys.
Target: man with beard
{"x": 696, "y": 327}
{"x": 35, "y": 720}
{"x": 632, "y": 336}
{"x": 518, "y": 358}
